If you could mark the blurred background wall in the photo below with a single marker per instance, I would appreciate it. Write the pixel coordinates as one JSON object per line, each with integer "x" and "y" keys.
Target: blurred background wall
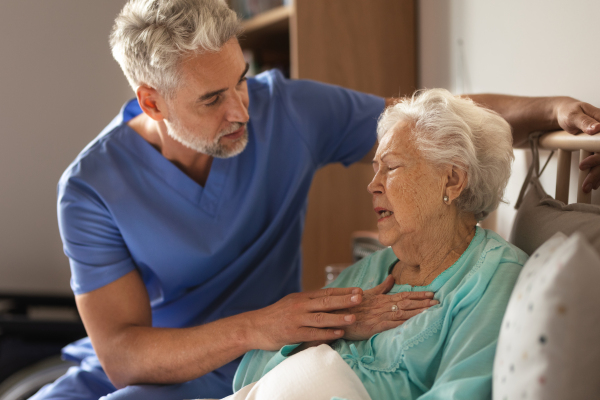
{"x": 60, "y": 87}
{"x": 521, "y": 47}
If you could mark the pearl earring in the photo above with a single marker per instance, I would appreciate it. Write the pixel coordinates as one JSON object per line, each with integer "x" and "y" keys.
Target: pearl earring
{"x": 445, "y": 199}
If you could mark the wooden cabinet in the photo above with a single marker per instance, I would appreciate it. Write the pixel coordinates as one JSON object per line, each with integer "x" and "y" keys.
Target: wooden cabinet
{"x": 366, "y": 45}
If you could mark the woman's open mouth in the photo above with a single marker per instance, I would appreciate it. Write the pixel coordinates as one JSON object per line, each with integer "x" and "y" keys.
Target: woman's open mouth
{"x": 383, "y": 213}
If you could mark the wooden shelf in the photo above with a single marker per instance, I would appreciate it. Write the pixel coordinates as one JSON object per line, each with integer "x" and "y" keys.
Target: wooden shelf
{"x": 367, "y": 46}
{"x": 276, "y": 19}
{"x": 267, "y": 35}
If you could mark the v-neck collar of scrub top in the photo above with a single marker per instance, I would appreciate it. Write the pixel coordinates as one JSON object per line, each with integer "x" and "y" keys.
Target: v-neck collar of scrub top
{"x": 207, "y": 198}
{"x": 442, "y": 278}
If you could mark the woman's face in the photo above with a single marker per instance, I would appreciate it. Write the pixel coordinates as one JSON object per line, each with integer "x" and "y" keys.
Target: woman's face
{"x": 407, "y": 191}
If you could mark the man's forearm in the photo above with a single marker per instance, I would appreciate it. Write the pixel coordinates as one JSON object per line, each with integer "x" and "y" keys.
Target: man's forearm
{"x": 169, "y": 355}
{"x": 530, "y": 114}
{"x": 118, "y": 319}
{"x": 524, "y": 114}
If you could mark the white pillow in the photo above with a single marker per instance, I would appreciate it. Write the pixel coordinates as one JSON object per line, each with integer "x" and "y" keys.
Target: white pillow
{"x": 317, "y": 373}
{"x": 549, "y": 344}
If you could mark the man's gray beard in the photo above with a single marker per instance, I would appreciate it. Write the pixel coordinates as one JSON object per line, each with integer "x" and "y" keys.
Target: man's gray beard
{"x": 214, "y": 149}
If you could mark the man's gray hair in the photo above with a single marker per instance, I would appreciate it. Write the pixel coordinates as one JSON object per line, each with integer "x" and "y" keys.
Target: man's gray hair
{"x": 450, "y": 130}
{"x": 150, "y": 37}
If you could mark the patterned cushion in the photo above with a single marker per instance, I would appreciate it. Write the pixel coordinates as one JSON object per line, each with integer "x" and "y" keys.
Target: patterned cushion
{"x": 548, "y": 346}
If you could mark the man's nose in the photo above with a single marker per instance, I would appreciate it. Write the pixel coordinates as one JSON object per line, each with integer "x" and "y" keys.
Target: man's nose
{"x": 238, "y": 110}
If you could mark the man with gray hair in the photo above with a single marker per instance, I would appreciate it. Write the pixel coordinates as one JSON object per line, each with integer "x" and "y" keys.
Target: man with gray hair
{"x": 182, "y": 220}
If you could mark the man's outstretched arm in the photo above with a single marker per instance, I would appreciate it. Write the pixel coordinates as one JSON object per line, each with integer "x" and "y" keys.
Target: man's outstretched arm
{"x": 530, "y": 114}
{"x": 118, "y": 319}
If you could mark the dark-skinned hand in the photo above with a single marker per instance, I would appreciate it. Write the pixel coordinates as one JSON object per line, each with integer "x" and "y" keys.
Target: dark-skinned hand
{"x": 575, "y": 117}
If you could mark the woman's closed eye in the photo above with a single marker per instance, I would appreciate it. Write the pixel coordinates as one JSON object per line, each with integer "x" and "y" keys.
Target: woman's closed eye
{"x": 391, "y": 167}
{"x": 385, "y": 167}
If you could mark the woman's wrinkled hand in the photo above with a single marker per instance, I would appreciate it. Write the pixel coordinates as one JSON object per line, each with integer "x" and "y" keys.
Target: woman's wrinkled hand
{"x": 315, "y": 316}
{"x": 374, "y": 314}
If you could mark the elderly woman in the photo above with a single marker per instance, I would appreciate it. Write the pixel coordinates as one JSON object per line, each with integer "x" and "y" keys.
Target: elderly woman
{"x": 441, "y": 166}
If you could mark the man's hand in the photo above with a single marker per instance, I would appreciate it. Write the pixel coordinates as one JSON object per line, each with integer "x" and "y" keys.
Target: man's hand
{"x": 592, "y": 180}
{"x": 374, "y": 314}
{"x": 118, "y": 319}
{"x": 574, "y": 117}
{"x": 304, "y": 317}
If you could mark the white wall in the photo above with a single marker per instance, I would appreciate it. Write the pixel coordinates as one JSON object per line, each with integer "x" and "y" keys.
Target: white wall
{"x": 58, "y": 88}
{"x": 522, "y": 47}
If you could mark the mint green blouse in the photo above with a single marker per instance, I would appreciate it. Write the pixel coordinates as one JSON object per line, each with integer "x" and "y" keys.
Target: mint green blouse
{"x": 446, "y": 352}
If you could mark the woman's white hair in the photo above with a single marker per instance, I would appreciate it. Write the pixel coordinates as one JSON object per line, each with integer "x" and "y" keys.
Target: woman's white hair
{"x": 450, "y": 130}
{"x": 150, "y": 37}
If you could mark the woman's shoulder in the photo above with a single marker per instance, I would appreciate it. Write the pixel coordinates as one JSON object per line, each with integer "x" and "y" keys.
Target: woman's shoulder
{"x": 505, "y": 252}
{"x": 368, "y": 272}
{"x": 490, "y": 259}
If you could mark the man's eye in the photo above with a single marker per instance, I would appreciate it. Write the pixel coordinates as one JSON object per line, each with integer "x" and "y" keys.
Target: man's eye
{"x": 242, "y": 80}
{"x": 212, "y": 103}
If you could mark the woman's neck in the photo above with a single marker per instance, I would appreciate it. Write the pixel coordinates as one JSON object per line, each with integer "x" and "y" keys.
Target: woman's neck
{"x": 427, "y": 255}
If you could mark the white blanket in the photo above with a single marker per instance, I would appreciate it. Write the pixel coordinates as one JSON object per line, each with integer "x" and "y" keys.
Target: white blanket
{"x": 318, "y": 373}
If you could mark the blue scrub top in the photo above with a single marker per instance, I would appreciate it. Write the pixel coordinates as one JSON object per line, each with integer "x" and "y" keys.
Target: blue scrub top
{"x": 209, "y": 252}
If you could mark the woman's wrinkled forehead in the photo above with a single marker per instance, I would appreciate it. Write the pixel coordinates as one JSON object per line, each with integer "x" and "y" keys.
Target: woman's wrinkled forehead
{"x": 396, "y": 140}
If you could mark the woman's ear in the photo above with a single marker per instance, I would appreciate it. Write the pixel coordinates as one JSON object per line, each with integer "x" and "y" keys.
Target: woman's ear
{"x": 456, "y": 182}
{"x": 151, "y": 102}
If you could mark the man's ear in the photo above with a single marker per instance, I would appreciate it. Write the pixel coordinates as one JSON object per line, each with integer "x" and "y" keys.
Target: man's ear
{"x": 456, "y": 182}
{"x": 151, "y": 102}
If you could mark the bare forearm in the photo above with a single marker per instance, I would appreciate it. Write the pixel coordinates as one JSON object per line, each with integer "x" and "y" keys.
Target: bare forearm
{"x": 136, "y": 354}
{"x": 118, "y": 319}
{"x": 524, "y": 114}
{"x": 530, "y": 114}
{"x": 150, "y": 355}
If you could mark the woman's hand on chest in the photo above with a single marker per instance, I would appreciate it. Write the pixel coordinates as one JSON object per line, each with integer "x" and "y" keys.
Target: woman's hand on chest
{"x": 379, "y": 311}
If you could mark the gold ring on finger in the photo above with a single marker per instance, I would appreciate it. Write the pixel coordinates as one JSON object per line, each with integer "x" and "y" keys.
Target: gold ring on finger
{"x": 394, "y": 308}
